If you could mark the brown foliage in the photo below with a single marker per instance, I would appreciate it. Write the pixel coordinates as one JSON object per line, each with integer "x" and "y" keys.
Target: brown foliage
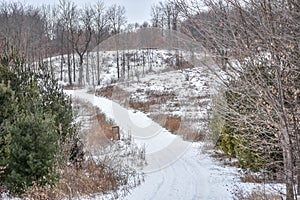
{"x": 106, "y": 126}
{"x": 106, "y": 91}
{"x": 91, "y": 176}
{"x": 172, "y": 123}
{"x": 256, "y": 195}
{"x": 142, "y": 106}
{"x": 89, "y": 179}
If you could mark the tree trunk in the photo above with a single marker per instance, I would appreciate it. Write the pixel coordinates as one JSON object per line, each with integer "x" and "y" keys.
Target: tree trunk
{"x": 297, "y": 133}
{"x": 87, "y": 74}
{"x": 93, "y": 65}
{"x": 128, "y": 67}
{"x": 177, "y": 62}
{"x": 288, "y": 164}
{"x": 298, "y": 174}
{"x": 98, "y": 66}
{"x": 69, "y": 69}
{"x": 61, "y": 66}
{"x": 51, "y": 67}
{"x": 74, "y": 66}
{"x": 144, "y": 63}
{"x": 123, "y": 65}
{"x": 118, "y": 67}
{"x": 80, "y": 69}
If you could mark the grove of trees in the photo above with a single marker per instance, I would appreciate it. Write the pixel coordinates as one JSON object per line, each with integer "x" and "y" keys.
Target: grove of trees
{"x": 63, "y": 30}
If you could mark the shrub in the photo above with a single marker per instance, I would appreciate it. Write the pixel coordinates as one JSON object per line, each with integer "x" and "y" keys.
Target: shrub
{"x": 240, "y": 137}
{"x": 33, "y": 147}
{"x": 36, "y": 121}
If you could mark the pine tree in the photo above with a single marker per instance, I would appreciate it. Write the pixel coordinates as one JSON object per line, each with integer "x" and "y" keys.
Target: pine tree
{"x": 7, "y": 110}
{"x": 33, "y": 152}
{"x": 36, "y": 121}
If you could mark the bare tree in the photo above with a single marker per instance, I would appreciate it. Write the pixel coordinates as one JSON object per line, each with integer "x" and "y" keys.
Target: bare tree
{"x": 51, "y": 47}
{"x": 83, "y": 38}
{"x": 165, "y": 15}
{"x": 117, "y": 19}
{"x": 21, "y": 29}
{"x": 155, "y": 15}
{"x": 67, "y": 13}
{"x": 4, "y": 30}
{"x": 263, "y": 37}
{"x": 100, "y": 22}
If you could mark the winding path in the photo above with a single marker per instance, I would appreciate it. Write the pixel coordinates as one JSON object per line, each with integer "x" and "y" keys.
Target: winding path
{"x": 175, "y": 169}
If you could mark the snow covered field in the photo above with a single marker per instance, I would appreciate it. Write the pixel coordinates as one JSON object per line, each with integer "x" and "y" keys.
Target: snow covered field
{"x": 185, "y": 93}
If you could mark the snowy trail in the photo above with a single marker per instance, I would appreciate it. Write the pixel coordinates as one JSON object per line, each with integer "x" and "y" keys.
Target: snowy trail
{"x": 176, "y": 169}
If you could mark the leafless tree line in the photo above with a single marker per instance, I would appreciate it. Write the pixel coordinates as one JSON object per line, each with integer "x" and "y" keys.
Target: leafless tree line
{"x": 64, "y": 29}
{"x": 70, "y": 32}
{"x": 166, "y": 15}
{"x": 257, "y": 44}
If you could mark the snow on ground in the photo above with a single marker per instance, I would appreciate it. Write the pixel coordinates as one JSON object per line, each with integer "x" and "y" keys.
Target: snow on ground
{"x": 142, "y": 63}
{"x": 189, "y": 92}
{"x": 175, "y": 169}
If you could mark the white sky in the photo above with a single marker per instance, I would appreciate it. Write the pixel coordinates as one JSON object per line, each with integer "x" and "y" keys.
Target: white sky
{"x": 136, "y": 10}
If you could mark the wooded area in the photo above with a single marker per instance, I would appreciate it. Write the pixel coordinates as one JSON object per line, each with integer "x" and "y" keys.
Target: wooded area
{"x": 43, "y": 32}
{"x": 70, "y": 32}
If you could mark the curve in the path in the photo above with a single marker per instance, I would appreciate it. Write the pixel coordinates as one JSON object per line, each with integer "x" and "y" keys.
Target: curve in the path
{"x": 174, "y": 170}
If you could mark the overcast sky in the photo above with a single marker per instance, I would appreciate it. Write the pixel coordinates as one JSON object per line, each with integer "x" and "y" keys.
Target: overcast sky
{"x": 136, "y": 10}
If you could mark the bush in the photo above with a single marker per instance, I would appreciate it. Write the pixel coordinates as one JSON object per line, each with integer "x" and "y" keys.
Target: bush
{"x": 36, "y": 121}
{"x": 239, "y": 138}
{"x": 32, "y": 156}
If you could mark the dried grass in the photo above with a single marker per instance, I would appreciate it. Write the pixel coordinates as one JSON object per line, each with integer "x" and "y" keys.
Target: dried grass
{"x": 256, "y": 195}
{"x": 90, "y": 178}
{"x": 179, "y": 126}
{"x": 173, "y": 123}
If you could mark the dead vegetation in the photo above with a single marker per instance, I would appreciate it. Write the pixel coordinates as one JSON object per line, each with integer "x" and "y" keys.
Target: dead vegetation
{"x": 179, "y": 126}
{"x": 106, "y": 91}
{"x": 257, "y": 195}
{"x": 97, "y": 128}
{"x": 90, "y": 178}
{"x": 173, "y": 123}
{"x": 152, "y": 104}
{"x": 142, "y": 106}
{"x": 113, "y": 92}
{"x": 104, "y": 125}
{"x": 153, "y": 99}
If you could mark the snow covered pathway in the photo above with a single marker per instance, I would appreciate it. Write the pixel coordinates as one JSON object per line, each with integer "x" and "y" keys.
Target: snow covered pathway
{"x": 175, "y": 169}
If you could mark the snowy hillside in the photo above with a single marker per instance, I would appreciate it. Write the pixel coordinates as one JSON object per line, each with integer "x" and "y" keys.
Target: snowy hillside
{"x": 177, "y": 167}
{"x": 179, "y": 94}
{"x": 133, "y": 64}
